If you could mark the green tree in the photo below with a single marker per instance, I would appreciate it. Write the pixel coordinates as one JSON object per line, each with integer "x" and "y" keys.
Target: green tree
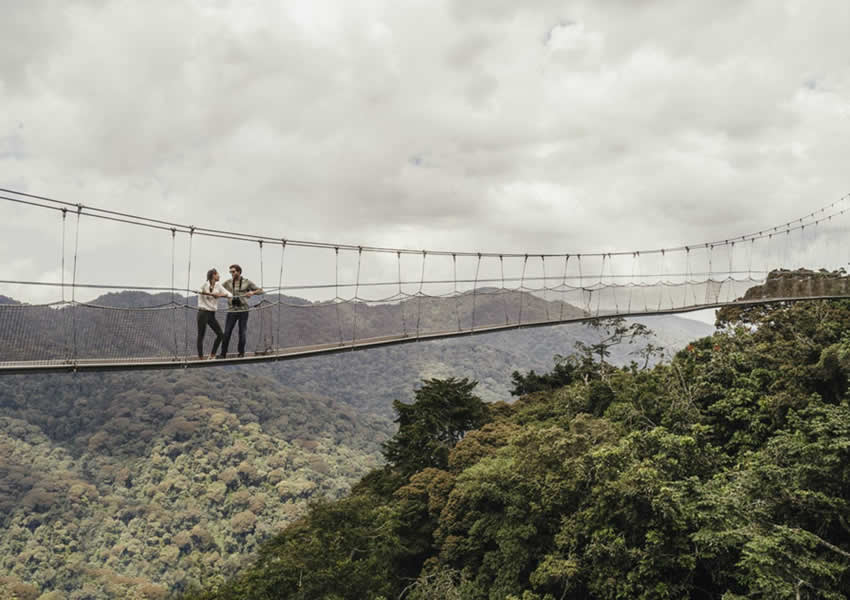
{"x": 443, "y": 411}
{"x": 612, "y": 331}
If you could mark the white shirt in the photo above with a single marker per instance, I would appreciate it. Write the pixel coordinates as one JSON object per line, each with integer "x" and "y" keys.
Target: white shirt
{"x": 210, "y": 302}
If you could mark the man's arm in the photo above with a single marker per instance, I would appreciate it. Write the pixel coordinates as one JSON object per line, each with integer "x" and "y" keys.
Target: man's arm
{"x": 253, "y": 290}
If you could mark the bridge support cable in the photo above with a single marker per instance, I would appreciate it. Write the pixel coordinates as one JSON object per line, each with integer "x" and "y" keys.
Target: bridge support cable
{"x": 522, "y": 288}
{"x": 600, "y": 286}
{"x": 174, "y": 307}
{"x": 564, "y": 287}
{"x": 545, "y": 286}
{"x": 63, "y": 306}
{"x": 356, "y": 299}
{"x": 74, "y": 284}
{"x": 730, "y": 277}
{"x": 503, "y": 288}
{"x": 264, "y": 344}
{"x": 280, "y": 293}
{"x": 337, "y": 299}
{"x": 419, "y": 295}
{"x": 475, "y": 292}
{"x": 454, "y": 290}
{"x": 186, "y": 310}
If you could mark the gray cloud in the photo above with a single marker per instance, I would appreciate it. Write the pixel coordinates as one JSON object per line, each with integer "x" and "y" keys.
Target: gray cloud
{"x": 463, "y": 124}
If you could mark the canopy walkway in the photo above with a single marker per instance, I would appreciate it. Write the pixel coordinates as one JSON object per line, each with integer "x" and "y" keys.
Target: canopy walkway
{"x": 325, "y": 298}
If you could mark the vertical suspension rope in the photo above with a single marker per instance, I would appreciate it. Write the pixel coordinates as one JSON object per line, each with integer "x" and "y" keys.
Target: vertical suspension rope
{"x": 631, "y": 284}
{"x": 356, "y": 297}
{"x": 545, "y": 288}
{"x": 601, "y": 286}
{"x": 74, "y": 285}
{"x": 730, "y": 277}
{"x": 188, "y": 283}
{"x": 457, "y": 298}
{"x": 260, "y": 308}
{"x": 280, "y": 292}
{"x": 710, "y": 277}
{"x": 475, "y": 292}
{"x": 564, "y": 286}
{"x": 585, "y": 303}
{"x": 401, "y": 295}
{"x": 504, "y": 291}
{"x": 522, "y": 287}
{"x": 689, "y": 275}
{"x": 612, "y": 284}
{"x": 173, "y": 305}
{"x": 419, "y": 295}
{"x": 640, "y": 279}
{"x": 337, "y": 298}
{"x": 65, "y": 314}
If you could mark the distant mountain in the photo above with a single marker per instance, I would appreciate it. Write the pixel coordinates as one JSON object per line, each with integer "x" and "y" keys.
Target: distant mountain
{"x": 371, "y": 379}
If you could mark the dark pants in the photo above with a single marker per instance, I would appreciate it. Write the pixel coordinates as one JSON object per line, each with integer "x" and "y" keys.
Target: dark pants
{"x": 233, "y": 318}
{"x": 207, "y": 317}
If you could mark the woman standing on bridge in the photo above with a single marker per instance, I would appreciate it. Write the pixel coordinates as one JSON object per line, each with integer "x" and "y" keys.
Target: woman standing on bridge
{"x": 208, "y": 297}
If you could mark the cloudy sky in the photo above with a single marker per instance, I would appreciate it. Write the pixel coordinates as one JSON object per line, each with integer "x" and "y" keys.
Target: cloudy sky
{"x": 482, "y": 125}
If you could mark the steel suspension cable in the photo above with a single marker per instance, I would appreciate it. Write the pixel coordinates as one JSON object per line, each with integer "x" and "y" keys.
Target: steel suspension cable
{"x": 581, "y": 285}
{"x": 564, "y": 286}
{"x": 545, "y": 287}
{"x": 475, "y": 292}
{"x": 402, "y": 296}
{"x": 522, "y": 286}
{"x": 817, "y": 215}
{"x": 454, "y": 290}
{"x": 265, "y": 338}
{"x": 356, "y": 298}
{"x": 186, "y": 310}
{"x": 419, "y": 296}
{"x": 74, "y": 284}
{"x": 336, "y": 292}
{"x": 504, "y": 290}
{"x": 65, "y": 309}
{"x": 173, "y": 304}
{"x": 280, "y": 296}
{"x": 601, "y": 286}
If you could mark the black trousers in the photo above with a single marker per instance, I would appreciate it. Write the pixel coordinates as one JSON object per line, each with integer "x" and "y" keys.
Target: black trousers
{"x": 233, "y": 318}
{"x": 207, "y": 317}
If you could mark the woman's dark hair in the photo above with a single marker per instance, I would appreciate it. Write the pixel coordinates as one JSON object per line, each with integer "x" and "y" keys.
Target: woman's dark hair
{"x": 210, "y": 274}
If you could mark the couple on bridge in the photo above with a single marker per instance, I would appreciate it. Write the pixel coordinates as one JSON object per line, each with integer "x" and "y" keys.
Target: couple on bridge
{"x": 237, "y": 290}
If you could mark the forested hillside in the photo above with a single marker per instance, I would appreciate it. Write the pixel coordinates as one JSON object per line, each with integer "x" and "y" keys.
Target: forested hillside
{"x": 103, "y": 476}
{"x": 128, "y": 486}
{"x": 723, "y": 474}
{"x": 372, "y": 380}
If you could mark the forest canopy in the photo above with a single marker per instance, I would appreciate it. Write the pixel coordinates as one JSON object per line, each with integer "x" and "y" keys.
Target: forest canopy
{"x": 724, "y": 473}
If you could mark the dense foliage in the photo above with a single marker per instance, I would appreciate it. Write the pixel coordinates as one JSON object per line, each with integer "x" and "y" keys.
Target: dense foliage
{"x": 722, "y": 474}
{"x": 103, "y": 477}
{"x": 132, "y": 486}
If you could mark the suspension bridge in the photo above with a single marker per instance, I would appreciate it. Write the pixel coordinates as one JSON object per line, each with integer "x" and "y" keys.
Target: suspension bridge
{"x": 322, "y": 298}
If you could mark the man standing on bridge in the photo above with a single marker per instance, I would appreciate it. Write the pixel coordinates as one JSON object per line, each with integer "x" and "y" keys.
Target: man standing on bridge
{"x": 237, "y": 310}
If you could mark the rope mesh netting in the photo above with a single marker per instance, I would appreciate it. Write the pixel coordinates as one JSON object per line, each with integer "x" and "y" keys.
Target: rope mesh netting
{"x": 328, "y": 297}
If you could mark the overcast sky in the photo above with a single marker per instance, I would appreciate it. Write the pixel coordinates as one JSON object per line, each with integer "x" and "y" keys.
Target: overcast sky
{"x": 490, "y": 125}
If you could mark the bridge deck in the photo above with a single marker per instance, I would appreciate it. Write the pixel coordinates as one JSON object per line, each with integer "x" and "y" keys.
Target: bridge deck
{"x": 292, "y": 353}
